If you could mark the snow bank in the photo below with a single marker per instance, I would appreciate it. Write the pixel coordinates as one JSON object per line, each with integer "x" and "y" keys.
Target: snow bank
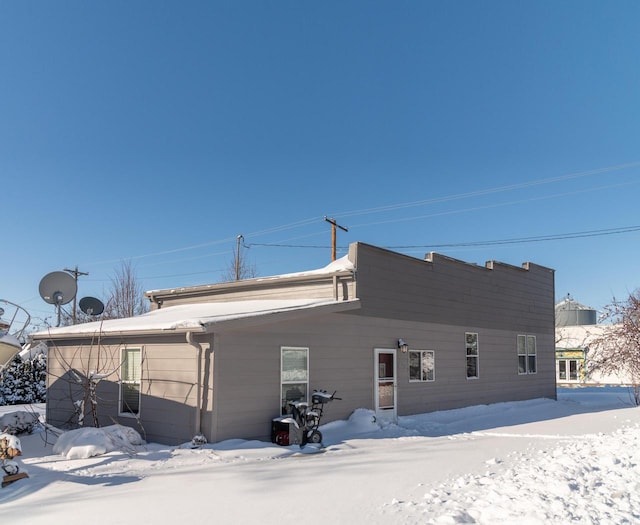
{"x": 361, "y": 421}
{"x": 574, "y": 460}
{"x": 84, "y": 443}
{"x": 593, "y": 479}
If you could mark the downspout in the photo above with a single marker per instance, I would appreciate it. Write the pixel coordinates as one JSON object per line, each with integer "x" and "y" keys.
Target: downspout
{"x": 198, "y": 347}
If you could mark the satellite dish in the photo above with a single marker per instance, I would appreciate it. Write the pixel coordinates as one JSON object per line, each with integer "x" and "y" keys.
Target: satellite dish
{"x": 91, "y": 306}
{"x": 58, "y": 288}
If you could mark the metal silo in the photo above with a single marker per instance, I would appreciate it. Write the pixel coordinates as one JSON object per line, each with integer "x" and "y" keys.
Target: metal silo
{"x": 572, "y": 313}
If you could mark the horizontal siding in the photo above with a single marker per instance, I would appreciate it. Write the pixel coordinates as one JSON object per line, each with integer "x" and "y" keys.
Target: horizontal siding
{"x": 453, "y": 292}
{"x": 430, "y": 304}
{"x": 168, "y": 389}
{"x": 248, "y": 387}
{"x": 246, "y": 371}
{"x": 268, "y": 289}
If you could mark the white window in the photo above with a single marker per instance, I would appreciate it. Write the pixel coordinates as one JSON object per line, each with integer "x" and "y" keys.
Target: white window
{"x": 471, "y": 341}
{"x": 130, "y": 381}
{"x": 422, "y": 365}
{"x": 294, "y": 376}
{"x": 568, "y": 370}
{"x": 527, "y": 362}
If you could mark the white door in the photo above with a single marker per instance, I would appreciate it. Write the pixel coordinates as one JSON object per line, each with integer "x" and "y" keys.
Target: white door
{"x": 385, "y": 384}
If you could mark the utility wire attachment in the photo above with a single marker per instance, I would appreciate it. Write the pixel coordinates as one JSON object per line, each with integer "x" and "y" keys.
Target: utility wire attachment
{"x": 334, "y": 226}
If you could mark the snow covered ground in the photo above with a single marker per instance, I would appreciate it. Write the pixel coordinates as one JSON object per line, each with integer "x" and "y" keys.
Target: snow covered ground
{"x": 575, "y": 460}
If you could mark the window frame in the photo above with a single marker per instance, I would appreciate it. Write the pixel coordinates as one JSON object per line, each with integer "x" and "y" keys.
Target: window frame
{"x": 527, "y": 354}
{"x": 124, "y": 382}
{"x": 422, "y": 355}
{"x": 296, "y": 381}
{"x": 473, "y": 356}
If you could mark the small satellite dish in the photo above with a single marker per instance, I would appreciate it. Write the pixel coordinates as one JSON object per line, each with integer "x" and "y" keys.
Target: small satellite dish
{"x": 91, "y": 306}
{"x": 58, "y": 288}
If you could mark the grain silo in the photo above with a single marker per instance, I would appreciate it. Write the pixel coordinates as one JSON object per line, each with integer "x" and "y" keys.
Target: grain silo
{"x": 572, "y": 313}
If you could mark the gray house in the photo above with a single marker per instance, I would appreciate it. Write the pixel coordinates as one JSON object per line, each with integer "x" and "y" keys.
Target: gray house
{"x": 391, "y": 333}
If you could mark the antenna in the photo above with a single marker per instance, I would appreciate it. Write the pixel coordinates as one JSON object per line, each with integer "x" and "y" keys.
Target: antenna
{"x": 58, "y": 288}
{"x": 91, "y": 306}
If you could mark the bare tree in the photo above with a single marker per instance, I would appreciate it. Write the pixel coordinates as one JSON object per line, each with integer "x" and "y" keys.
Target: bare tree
{"x": 82, "y": 372}
{"x": 239, "y": 267}
{"x": 126, "y": 296}
{"x": 617, "y": 350}
{"x": 85, "y": 379}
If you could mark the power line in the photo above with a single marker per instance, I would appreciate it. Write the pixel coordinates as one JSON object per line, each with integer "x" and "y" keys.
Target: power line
{"x": 277, "y": 245}
{"x": 523, "y": 240}
{"x": 489, "y": 191}
{"x": 495, "y": 242}
{"x": 391, "y": 207}
{"x": 491, "y": 206}
{"x": 517, "y": 240}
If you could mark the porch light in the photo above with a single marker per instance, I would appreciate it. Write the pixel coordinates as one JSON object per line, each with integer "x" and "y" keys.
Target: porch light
{"x": 402, "y": 346}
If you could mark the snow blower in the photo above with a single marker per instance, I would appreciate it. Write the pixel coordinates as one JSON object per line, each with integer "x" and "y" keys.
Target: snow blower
{"x": 301, "y": 426}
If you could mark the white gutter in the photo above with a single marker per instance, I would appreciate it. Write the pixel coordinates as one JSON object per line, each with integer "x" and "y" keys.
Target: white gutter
{"x": 198, "y": 347}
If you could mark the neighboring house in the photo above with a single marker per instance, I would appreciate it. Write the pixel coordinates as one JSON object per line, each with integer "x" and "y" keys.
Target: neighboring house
{"x": 224, "y": 359}
{"x": 572, "y": 318}
{"x": 574, "y": 350}
{"x": 576, "y": 330}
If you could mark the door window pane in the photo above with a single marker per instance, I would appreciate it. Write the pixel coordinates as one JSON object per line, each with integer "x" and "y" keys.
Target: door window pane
{"x": 562, "y": 370}
{"x": 573, "y": 370}
{"x": 385, "y": 394}
{"x": 385, "y": 366}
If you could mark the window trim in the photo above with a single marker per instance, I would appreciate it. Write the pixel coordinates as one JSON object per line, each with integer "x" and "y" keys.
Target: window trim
{"x": 566, "y": 361}
{"x": 527, "y": 354}
{"x": 422, "y": 355}
{"x": 295, "y": 382}
{"x": 475, "y": 356}
{"x": 122, "y": 382}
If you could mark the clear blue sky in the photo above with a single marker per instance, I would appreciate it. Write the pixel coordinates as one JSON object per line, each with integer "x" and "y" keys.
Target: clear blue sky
{"x": 156, "y": 132}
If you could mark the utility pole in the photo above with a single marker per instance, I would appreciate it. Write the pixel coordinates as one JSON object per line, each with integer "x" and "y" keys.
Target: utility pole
{"x": 240, "y": 238}
{"x": 334, "y": 226}
{"x": 76, "y": 273}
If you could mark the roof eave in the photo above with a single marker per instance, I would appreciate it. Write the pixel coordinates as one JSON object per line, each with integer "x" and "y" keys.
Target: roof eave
{"x": 250, "y": 284}
{"x": 245, "y": 321}
{"x": 280, "y": 316}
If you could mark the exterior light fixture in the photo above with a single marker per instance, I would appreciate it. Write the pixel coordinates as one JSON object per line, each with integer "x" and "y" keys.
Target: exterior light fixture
{"x": 403, "y": 346}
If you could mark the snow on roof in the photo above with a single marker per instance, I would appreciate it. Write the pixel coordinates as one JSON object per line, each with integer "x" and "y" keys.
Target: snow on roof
{"x": 337, "y": 266}
{"x": 197, "y": 317}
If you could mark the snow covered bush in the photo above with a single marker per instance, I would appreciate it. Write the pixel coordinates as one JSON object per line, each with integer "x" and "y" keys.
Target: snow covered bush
{"x": 20, "y": 422}
{"x": 84, "y": 443}
{"x": 25, "y": 381}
